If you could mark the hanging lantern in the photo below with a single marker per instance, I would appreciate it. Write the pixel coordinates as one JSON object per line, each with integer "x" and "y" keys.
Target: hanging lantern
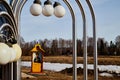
{"x": 48, "y": 9}
{"x": 4, "y": 53}
{"x": 59, "y": 10}
{"x": 36, "y": 8}
{"x": 18, "y": 51}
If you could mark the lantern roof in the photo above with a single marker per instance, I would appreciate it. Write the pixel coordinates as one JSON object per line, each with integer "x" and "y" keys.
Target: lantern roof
{"x": 37, "y": 48}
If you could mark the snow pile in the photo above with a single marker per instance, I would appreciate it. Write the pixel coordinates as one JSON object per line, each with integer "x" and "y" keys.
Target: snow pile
{"x": 110, "y": 68}
{"x": 56, "y": 66}
{"x": 106, "y": 74}
{"x": 62, "y": 66}
{"x": 26, "y": 63}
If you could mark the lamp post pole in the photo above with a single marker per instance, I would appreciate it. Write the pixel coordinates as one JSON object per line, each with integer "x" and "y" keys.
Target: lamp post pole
{"x": 74, "y": 37}
{"x": 84, "y": 38}
{"x": 17, "y": 6}
{"x": 94, "y": 40}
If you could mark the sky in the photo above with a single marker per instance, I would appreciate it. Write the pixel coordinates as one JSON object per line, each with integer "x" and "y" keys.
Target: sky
{"x": 42, "y": 27}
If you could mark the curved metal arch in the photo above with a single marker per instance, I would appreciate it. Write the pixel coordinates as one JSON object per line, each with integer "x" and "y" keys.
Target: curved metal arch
{"x": 74, "y": 39}
{"x": 9, "y": 10}
{"x": 16, "y": 6}
{"x": 94, "y": 40}
{"x": 15, "y": 2}
{"x": 12, "y": 3}
{"x": 84, "y": 38}
{"x": 18, "y": 10}
{"x": 8, "y": 17}
{"x": 9, "y": 26}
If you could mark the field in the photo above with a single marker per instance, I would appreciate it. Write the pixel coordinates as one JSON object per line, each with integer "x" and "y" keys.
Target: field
{"x": 102, "y": 60}
{"x": 51, "y": 75}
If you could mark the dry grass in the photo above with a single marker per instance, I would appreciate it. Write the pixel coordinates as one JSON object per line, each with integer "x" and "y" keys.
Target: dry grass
{"x": 102, "y": 60}
{"x": 50, "y": 75}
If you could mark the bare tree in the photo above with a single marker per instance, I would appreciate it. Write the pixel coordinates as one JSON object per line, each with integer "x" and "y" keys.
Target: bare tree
{"x": 54, "y": 47}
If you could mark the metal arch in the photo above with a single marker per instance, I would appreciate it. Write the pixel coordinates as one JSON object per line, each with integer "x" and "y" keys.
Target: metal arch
{"x": 74, "y": 40}
{"x": 17, "y": 14}
{"x": 15, "y": 5}
{"x": 8, "y": 14}
{"x": 8, "y": 17}
{"x": 94, "y": 40}
{"x": 8, "y": 9}
{"x": 12, "y": 3}
{"x": 18, "y": 10}
{"x": 18, "y": 5}
{"x": 7, "y": 25}
{"x": 84, "y": 38}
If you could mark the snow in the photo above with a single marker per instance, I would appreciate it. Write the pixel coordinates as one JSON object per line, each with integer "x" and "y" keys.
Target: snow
{"x": 50, "y": 66}
{"x": 26, "y": 63}
{"x": 62, "y": 66}
{"x": 56, "y": 66}
{"x": 109, "y": 68}
{"x": 106, "y": 74}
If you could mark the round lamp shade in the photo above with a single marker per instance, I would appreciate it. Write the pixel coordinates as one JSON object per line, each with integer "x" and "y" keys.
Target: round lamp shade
{"x": 59, "y": 11}
{"x": 18, "y": 51}
{"x": 36, "y": 9}
{"x": 4, "y": 53}
{"x": 48, "y": 10}
{"x": 13, "y": 54}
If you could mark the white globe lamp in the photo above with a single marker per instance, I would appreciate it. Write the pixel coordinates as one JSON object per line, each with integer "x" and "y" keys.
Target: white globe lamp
{"x": 4, "y": 54}
{"x": 18, "y": 51}
{"x": 48, "y": 9}
{"x": 36, "y": 8}
{"x": 13, "y": 54}
{"x": 59, "y": 10}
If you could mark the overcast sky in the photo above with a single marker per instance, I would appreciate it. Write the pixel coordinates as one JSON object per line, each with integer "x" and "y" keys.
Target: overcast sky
{"x": 107, "y": 21}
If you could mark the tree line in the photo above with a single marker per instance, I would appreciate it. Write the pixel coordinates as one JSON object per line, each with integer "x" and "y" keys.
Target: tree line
{"x": 61, "y": 46}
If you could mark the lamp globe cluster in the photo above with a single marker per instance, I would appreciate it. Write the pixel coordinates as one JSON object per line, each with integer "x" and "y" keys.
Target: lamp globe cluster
{"x": 48, "y": 9}
{"x": 9, "y": 54}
